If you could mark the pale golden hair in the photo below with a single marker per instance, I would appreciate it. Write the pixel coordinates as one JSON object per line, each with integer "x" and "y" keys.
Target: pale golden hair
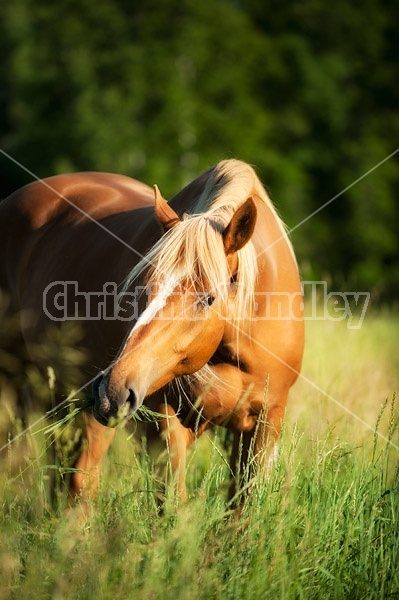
{"x": 194, "y": 250}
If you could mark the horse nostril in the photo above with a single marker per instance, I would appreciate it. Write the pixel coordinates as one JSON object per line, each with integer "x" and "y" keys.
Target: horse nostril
{"x": 132, "y": 400}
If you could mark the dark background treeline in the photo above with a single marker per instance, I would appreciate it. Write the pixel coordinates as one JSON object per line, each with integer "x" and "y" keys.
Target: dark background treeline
{"x": 306, "y": 91}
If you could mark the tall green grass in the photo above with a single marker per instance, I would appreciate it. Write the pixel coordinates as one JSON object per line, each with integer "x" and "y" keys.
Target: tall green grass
{"x": 322, "y": 524}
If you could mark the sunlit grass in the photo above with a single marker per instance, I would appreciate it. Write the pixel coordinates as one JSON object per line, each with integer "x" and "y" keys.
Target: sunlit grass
{"x": 347, "y": 375}
{"x": 324, "y": 524}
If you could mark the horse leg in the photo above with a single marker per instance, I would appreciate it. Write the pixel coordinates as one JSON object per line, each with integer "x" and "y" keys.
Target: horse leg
{"x": 178, "y": 439}
{"x": 239, "y": 459}
{"x": 267, "y": 432}
{"x": 256, "y": 448}
{"x": 85, "y": 481}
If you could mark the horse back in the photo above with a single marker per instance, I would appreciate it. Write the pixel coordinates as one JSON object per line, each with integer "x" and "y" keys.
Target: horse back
{"x": 88, "y": 228}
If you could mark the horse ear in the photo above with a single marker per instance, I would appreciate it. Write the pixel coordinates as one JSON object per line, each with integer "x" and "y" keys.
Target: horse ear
{"x": 163, "y": 212}
{"x": 240, "y": 228}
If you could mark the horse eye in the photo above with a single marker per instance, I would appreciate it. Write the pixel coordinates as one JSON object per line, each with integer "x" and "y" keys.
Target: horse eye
{"x": 210, "y": 300}
{"x": 206, "y": 300}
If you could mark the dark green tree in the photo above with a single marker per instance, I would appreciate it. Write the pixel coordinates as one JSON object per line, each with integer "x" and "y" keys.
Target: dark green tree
{"x": 160, "y": 90}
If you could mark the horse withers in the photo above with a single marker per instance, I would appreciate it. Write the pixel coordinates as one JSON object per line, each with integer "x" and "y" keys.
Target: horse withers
{"x": 216, "y": 334}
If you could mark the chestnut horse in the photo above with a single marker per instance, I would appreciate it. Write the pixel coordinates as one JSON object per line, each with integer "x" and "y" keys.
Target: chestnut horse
{"x": 219, "y": 310}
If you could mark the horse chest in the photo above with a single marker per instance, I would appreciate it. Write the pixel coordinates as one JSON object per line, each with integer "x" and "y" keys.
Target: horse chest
{"x": 225, "y": 354}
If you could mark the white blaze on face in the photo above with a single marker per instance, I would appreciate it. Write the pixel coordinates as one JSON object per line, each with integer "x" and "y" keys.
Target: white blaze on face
{"x": 140, "y": 382}
{"x": 157, "y": 304}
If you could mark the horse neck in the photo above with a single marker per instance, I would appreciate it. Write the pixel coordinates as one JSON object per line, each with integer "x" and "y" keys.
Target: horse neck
{"x": 274, "y": 250}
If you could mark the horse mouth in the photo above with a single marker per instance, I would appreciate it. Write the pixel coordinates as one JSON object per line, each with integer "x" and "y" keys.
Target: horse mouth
{"x": 106, "y": 410}
{"x": 100, "y": 418}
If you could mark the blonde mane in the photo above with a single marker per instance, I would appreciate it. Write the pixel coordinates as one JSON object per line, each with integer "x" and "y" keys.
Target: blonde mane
{"x": 194, "y": 250}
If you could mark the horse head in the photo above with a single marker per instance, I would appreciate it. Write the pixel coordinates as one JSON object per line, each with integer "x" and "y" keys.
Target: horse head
{"x": 190, "y": 287}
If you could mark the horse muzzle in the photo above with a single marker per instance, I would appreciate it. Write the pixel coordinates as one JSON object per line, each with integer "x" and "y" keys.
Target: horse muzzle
{"x": 111, "y": 409}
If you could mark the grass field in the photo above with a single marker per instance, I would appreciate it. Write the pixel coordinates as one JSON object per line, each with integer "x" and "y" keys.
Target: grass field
{"x": 324, "y": 524}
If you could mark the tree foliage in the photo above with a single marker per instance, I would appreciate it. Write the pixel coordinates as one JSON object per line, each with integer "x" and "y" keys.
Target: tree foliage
{"x": 160, "y": 90}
